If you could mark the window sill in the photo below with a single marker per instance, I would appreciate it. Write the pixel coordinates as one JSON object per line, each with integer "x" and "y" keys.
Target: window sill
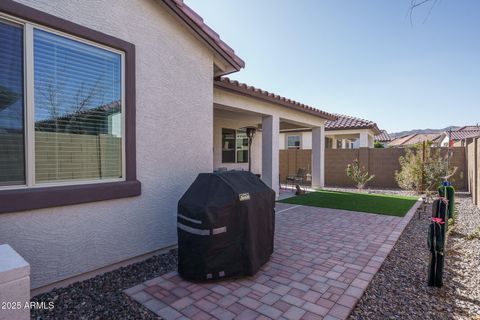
{"x": 47, "y": 197}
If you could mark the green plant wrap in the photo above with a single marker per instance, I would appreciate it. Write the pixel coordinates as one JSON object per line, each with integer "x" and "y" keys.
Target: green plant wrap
{"x": 450, "y": 195}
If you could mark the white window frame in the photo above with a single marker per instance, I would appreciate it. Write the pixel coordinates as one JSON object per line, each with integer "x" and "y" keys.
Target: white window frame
{"x": 293, "y": 135}
{"x": 29, "y": 105}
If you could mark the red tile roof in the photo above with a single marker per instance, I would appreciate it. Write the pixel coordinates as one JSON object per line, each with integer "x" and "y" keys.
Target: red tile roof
{"x": 383, "y": 136}
{"x": 468, "y": 128}
{"x": 205, "y": 32}
{"x": 464, "y": 134}
{"x": 416, "y": 138}
{"x": 237, "y": 87}
{"x": 345, "y": 122}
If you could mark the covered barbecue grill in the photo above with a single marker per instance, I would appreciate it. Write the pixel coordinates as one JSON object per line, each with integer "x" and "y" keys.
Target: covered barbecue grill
{"x": 226, "y": 223}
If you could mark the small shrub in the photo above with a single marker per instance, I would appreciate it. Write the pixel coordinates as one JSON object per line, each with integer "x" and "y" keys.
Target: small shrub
{"x": 378, "y": 145}
{"x": 474, "y": 235}
{"x": 420, "y": 175}
{"x": 450, "y": 223}
{"x": 359, "y": 175}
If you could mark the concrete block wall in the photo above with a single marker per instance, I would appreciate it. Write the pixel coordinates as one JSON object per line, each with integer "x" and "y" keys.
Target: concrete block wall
{"x": 336, "y": 161}
{"x": 477, "y": 180}
{"x": 381, "y": 162}
{"x": 471, "y": 169}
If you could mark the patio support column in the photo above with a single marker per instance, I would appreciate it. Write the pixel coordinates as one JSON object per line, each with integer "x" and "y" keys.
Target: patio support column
{"x": 318, "y": 157}
{"x": 270, "y": 151}
{"x": 363, "y": 140}
{"x": 334, "y": 142}
{"x": 371, "y": 141}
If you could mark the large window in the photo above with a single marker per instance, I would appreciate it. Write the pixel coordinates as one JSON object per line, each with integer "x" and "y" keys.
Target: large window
{"x": 12, "y": 150}
{"x": 234, "y": 146}
{"x": 70, "y": 122}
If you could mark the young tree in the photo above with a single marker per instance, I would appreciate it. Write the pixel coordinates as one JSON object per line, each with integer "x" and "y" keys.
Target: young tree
{"x": 359, "y": 175}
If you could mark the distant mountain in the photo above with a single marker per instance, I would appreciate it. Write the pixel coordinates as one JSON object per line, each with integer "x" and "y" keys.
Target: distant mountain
{"x": 406, "y": 133}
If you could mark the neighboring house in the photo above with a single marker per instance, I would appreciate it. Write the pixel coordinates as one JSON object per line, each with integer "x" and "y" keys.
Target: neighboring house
{"x": 461, "y": 136}
{"x": 434, "y": 138}
{"x": 113, "y": 121}
{"x": 344, "y": 132}
{"x": 384, "y": 138}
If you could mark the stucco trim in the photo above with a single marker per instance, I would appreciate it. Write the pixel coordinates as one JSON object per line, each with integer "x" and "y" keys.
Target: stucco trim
{"x": 44, "y": 197}
{"x": 236, "y": 87}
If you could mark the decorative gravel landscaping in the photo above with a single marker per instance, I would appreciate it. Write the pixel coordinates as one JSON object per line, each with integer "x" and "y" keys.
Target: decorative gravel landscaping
{"x": 102, "y": 297}
{"x": 395, "y": 205}
{"x": 399, "y": 290}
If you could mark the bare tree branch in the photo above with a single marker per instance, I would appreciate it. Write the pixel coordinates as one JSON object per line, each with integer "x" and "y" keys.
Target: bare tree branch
{"x": 414, "y": 4}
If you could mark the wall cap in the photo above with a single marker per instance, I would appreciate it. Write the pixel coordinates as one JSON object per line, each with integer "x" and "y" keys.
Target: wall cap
{"x": 12, "y": 265}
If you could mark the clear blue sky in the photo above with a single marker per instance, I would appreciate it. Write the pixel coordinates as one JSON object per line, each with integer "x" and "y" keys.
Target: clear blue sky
{"x": 362, "y": 58}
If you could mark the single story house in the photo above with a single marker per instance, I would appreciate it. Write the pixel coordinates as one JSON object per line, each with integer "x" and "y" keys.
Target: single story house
{"x": 461, "y": 136}
{"x": 412, "y": 139}
{"x": 107, "y": 115}
{"x": 384, "y": 138}
{"x": 344, "y": 132}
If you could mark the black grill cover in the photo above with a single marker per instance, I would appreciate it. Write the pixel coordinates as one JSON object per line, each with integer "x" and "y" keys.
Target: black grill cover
{"x": 226, "y": 223}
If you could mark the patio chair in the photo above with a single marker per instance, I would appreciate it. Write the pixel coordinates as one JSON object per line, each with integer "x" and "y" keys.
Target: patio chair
{"x": 298, "y": 178}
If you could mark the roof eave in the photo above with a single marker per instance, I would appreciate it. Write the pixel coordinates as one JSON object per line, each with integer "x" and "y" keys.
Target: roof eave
{"x": 236, "y": 62}
{"x": 373, "y": 128}
{"x": 256, "y": 93}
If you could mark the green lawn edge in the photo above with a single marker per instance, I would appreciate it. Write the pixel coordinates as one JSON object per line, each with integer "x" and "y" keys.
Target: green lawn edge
{"x": 392, "y": 205}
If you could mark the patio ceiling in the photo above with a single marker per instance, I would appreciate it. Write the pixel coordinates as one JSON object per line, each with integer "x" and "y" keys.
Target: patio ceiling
{"x": 246, "y": 117}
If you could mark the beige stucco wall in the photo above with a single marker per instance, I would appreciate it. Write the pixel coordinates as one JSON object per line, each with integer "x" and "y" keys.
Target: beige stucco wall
{"x": 306, "y": 137}
{"x": 174, "y": 74}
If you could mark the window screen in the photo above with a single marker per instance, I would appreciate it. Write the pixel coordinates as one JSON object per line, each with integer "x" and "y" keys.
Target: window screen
{"x": 78, "y": 126}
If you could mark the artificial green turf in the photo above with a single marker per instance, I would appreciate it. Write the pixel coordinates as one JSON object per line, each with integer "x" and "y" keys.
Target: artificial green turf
{"x": 364, "y": 202}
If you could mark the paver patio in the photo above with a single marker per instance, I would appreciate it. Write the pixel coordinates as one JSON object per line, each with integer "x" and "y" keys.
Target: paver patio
{"x": 323, "y": 261}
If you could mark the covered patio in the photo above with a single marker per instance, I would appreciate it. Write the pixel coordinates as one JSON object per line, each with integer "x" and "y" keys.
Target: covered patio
{"x": 238, "y": 107}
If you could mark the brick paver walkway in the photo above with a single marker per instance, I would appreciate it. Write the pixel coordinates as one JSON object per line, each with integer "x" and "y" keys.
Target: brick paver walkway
{"x": 323, "y": 261}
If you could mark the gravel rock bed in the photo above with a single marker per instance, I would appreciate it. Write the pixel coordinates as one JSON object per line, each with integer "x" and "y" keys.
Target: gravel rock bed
{"x": 398, "y": 192}
{"x": 399, "y": 290}
{"x": 101, "y": 297}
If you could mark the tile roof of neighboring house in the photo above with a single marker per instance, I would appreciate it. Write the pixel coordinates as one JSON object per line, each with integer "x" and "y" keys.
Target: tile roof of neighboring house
{"x": 205, "y": 32}
{"x": 416, "y": 138}
{"x": 235, "y": 86}
{"x": 467, "y": 128}
{"x": 383, "y": 136}
{"x": 464, "y": 134}
{"x": 345, "y": 122}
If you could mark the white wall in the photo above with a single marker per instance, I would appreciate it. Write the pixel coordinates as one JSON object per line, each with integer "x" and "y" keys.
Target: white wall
{"x": 174, "y": 143}
{"x": 306, "y": 139}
